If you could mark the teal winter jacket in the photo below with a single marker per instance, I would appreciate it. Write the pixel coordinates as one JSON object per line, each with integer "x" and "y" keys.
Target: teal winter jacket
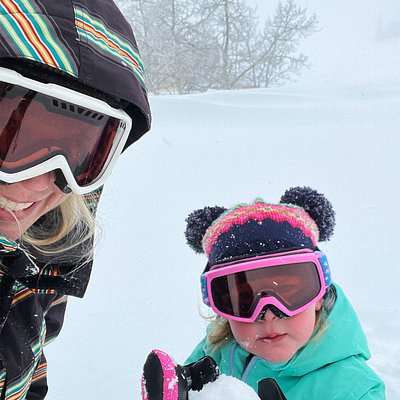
{"x": 331, "y": 366}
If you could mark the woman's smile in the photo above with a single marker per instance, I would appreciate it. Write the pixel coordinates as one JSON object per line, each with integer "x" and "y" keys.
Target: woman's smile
{"x": 23, "y": 203}
{"x": 12, "y": 206}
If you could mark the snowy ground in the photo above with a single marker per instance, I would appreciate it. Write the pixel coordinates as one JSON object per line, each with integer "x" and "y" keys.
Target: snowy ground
{"x": 220, "y": 148}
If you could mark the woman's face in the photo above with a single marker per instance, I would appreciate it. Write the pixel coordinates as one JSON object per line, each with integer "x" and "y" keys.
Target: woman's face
{"x": 276, "y": 340}
{"x": 23, "y": 203}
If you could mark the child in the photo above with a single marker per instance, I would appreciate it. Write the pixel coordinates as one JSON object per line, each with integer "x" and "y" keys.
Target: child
{"x": 279, "y": 315}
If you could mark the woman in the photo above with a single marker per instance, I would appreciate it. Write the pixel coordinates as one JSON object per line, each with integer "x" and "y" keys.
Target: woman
{"x": 72, "y": 98}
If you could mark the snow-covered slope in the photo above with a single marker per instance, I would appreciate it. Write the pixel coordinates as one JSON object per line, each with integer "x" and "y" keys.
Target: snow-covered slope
{"x": 220, "y": 148}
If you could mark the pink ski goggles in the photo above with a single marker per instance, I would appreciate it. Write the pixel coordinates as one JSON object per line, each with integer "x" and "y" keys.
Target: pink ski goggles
{"x": 290, "y": 281}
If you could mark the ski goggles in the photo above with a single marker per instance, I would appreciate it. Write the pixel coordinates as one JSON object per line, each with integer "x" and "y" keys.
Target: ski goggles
{"x": 46, "y": 127}
{"x": 290, "y": 281}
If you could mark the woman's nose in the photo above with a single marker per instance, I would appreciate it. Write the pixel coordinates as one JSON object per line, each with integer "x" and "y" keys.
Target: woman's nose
{"x": 39, "y": 183}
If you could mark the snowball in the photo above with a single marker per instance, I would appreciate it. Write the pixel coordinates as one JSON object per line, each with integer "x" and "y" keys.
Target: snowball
{"x": 225, "y": 387}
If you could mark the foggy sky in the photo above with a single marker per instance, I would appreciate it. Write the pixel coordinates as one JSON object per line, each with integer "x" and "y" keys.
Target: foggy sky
{"x": 349, "y": 42}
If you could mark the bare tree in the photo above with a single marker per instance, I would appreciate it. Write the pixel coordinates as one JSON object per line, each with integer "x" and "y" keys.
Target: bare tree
{"x": 195, "y": 45}
{"x": 175, "y": 40}
{"x": 236, "y": 33}
{"x": 278, "y": 61}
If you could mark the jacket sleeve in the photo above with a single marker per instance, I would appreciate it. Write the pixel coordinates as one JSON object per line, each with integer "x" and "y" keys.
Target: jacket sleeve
{"x": 54, "y": 321}
{"x": 197, "y": 353}
{"x": 375, "y": 393}
{"x": 55, "y": 317}
{"x": 38, "y": 388}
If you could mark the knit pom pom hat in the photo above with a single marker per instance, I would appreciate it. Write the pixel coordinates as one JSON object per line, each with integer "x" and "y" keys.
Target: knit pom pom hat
{"x": 301, "y": 219}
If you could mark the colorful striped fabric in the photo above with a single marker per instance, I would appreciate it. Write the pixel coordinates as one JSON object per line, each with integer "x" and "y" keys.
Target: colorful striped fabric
{"x": 7, "y": 245}
{"x": 21, "y": 294}
{"x": 30, "y": 33}
{"x": 100, "y": 37}
{"x": 89, "y": 40}
{"x": 2, "y": 380}
{"x": 18, "y": 389}
{"x": 40, "y": 373}
{"x": 92, "y": 199}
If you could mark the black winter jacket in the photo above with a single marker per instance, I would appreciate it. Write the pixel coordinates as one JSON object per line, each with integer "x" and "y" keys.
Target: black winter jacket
{"x": 31, "y": 316}
{"x": 33, "y": 298}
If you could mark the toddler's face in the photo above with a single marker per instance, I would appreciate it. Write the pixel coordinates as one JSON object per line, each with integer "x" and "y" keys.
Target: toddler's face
{"x": 276, "y": 340}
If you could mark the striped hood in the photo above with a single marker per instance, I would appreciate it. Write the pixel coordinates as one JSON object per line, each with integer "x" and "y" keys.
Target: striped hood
{"x": 87, "y": 40}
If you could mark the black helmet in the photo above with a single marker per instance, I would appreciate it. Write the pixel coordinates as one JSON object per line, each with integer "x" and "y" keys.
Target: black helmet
{"x": 86, "y": 45}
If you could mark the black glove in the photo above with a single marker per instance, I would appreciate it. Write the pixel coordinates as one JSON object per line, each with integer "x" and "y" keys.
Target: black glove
{"x": 200, "y": 372}
{"x": 268, "y": 389}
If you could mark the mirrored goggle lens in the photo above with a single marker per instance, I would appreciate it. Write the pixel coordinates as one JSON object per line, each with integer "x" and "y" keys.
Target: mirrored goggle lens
{"x": 35, "y": 127}
{"x": 293, "y": 285}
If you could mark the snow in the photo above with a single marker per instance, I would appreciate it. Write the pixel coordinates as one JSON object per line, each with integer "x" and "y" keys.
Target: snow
{"x": 225, "y": 387}
{"x": 338, "y": 133}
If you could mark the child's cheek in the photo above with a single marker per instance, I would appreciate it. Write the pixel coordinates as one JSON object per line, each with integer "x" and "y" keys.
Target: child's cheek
{"x": 244, "y": 333}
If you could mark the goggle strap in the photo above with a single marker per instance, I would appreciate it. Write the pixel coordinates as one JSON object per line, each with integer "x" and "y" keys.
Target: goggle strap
{"x": 204, "y": 291}
{"x": 325, "y": 268}
{"x": 61, "y": 182}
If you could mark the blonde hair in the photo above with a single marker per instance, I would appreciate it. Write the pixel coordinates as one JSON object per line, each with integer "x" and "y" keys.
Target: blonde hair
{"x": 220, "y": 332}
{"x": 71, "y": 218}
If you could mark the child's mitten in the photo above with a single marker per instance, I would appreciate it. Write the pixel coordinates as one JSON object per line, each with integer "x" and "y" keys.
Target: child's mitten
{"x": 162, "y": 379}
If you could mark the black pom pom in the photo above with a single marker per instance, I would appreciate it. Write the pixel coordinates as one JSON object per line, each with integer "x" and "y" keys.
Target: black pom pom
{"x": 197, "y": 223}
{"x": 316, "y": 205}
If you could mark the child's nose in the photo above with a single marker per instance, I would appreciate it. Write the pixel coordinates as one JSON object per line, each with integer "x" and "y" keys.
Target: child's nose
{"x": 269, "y": 315}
